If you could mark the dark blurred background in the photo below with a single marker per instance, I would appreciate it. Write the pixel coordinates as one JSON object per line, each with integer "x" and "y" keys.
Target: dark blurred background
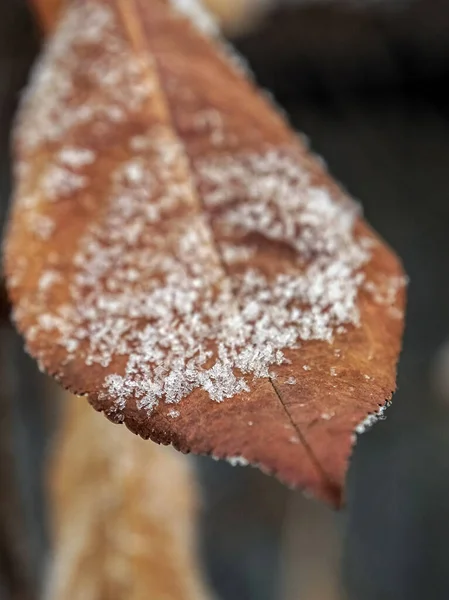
{"x": 367, "y": 82}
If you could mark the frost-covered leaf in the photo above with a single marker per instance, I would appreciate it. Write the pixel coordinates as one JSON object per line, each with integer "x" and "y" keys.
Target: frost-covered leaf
{"x": 123, "y": 515}
{"x": 176, "y": 254}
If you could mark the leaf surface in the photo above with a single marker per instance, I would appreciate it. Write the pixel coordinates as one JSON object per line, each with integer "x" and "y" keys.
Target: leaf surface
{"x": 47, "y": 12}
{"x": 177, "y": 254}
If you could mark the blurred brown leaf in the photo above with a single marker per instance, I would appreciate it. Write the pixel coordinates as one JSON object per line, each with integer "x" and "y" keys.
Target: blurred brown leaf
{"x": 237, "y": 15}
{"x": 177, "y": 255}
{"x": 124, "y": 515}
{"x": 47, "y": 12}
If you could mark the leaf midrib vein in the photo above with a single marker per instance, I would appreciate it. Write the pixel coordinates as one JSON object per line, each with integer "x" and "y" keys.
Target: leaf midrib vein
{"x": 139, "y": 42}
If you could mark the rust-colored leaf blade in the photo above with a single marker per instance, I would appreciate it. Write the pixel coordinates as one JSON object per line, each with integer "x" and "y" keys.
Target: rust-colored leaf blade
{"x": 47, "y": 12}
{"x": 177, "y": 255}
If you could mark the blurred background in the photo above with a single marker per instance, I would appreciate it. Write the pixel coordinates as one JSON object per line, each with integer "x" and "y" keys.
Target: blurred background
{"x": 366, "y": 81}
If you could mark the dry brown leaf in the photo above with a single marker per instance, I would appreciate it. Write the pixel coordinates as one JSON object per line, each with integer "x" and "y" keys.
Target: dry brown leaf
{"x": 231, "y": 16}
{"x": 238, "y": 15}
{"x": 48, "y": 12}
{"x": 124, "y": 515}
{"x": 176, "y": 254}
